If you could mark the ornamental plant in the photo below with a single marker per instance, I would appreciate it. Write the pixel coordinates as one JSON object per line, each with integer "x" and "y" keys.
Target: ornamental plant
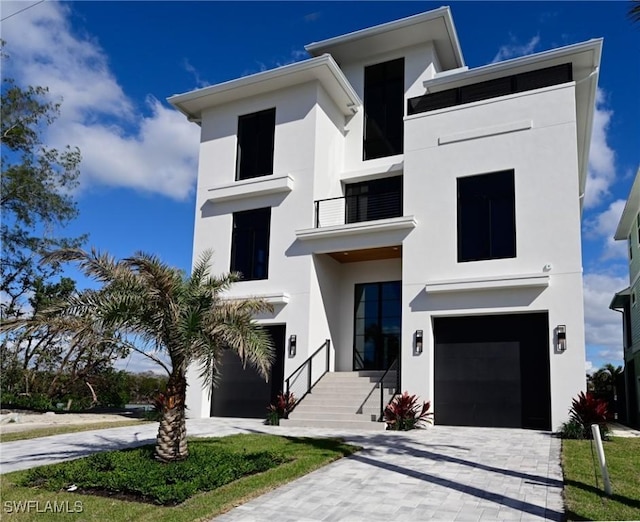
{"x": 405, "y": 413}
{"x": 586, "y": 410}
{"x": 285, "y": 402}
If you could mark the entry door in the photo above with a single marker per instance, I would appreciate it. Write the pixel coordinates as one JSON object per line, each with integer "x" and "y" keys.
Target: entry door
{"x": 378, "y": 319}
{"x": 242, "y": 391}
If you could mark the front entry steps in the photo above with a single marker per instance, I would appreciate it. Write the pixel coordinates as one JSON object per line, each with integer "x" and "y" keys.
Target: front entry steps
{"x": 344, "y": 400}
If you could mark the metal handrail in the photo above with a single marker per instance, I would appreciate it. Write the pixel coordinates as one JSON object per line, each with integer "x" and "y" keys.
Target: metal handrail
{"x": 309, "y": 361}
{"x": 395, "y": 392}
{"x": 387, "y": 205}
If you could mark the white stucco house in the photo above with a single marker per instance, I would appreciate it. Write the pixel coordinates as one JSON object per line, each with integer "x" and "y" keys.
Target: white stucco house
{"x": 402, "y": 210}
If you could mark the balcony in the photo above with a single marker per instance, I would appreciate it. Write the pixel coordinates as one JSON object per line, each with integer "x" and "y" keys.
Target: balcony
{"x": 358, "y": 208}
{"x": 365, "y": 221}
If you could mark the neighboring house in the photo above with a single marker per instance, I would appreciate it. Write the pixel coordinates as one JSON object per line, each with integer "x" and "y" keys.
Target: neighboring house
{"x": 385, "y": 197}
{"x": 626, "y": 301}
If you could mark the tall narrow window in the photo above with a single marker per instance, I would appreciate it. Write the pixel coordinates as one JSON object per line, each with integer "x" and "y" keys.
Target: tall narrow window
{"x": 255, "y": 144}
{"x": 486, "y": 217}
{"x": 383, "y": 109}
{"x": 250, "y": 243}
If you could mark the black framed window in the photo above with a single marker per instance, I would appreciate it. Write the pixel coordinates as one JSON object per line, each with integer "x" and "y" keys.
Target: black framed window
{"x": 486, "y": 217}
{"x": 377, "y": 325}
{"x": 375, "y": 199}
{"x": 383, "y": 109}
{"x": 250, "y": 243}
{"x": 486, "y": 90}
{"x": 256, "y": 133}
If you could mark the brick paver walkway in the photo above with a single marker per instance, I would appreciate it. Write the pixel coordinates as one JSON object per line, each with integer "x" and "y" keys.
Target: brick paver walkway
{"x": 442, "y": 473}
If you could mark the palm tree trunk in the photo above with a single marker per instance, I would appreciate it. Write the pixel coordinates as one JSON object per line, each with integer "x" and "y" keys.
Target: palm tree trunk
{"x": 171, "y": 444}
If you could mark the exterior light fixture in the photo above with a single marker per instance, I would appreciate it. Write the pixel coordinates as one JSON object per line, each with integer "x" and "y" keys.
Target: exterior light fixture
{"x": 419, "y": 342}
{"x": 561, "y": 337}
{"x": 293, "y": 341}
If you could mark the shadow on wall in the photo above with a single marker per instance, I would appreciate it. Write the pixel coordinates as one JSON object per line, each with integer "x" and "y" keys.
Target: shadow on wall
{"x": 424, "y": 302}
{"x": 226, "y": 208}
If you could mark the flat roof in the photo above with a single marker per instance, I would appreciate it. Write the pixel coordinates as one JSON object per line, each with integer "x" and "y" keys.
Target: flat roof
{"x": 322, "y": 69}
{"x": 432, "y": 26}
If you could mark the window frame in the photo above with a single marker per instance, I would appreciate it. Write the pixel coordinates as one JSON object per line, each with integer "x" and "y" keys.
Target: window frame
{"x": 261, "y": 219}
{"x": 468, "y": 223}
{"x": 264, "y": 122}
{"x": 385, "y": 90}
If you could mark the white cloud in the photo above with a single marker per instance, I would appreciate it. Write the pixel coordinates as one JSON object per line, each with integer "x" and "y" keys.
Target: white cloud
{"x": 121, "y": 144}
{"x": 603, "y": 327}
{"x": 602, "y": 171}
{"x": 588, "y": 367}
{"x": 514, "y": 48}
{"x": 603, "y": 226}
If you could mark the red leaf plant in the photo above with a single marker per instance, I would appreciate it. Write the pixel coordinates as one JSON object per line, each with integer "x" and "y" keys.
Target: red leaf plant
{"x": 587, "y": 410}
{"x": 405, "y": 413}
{"x": 285, "y": 402}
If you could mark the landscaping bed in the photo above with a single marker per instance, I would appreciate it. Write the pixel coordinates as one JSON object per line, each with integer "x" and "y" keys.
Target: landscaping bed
{"x": 219, "y": 474}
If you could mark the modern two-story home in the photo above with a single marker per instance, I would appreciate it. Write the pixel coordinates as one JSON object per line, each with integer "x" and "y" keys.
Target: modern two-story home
{"x": 626, "y": 301}
{"x": 403, "y": 212}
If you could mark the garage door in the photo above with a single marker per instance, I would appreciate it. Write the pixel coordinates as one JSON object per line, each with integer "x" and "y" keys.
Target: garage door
{"x": 492, "y": 371}
{"x": 243, "y": 392}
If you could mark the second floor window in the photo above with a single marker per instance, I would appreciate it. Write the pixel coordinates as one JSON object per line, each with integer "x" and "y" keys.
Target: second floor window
{"x": 250, "y": 243}
{"x": 383, "y": 109}
{"x": 256, "y": 133}
{"x": 486, "y": 217}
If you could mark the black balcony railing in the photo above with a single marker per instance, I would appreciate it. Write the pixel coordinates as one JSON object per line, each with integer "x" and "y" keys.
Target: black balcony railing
{"x": 358, "y": 208}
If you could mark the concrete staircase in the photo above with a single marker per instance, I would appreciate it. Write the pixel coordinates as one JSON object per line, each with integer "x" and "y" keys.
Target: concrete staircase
{"x": 344, "y": 400}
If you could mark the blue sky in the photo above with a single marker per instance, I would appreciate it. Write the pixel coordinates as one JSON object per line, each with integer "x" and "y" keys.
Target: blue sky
{"x": 114, "y": 64}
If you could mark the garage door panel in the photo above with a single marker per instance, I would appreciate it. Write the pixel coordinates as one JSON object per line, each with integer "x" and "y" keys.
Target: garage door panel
{"x": 492, "y": 371}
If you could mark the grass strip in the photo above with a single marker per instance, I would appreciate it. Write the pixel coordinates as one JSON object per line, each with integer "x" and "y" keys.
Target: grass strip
{"x": 586, "y": 501}
{"x": 69, "y": 428}
{"x": 301, "y": 456}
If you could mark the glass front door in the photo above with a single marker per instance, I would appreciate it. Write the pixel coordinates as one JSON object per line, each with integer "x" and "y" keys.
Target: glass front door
{"x": 378, "y": 320}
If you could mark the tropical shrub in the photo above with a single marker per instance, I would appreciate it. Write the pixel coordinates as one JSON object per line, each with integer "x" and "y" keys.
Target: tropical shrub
{"x": 586, "y": 410}
{"x": 285, "y": 402}
{"x": 404, "y": 413}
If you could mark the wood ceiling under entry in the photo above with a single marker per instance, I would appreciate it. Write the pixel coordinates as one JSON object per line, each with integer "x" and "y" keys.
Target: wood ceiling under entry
{"x": 367, "y": 254}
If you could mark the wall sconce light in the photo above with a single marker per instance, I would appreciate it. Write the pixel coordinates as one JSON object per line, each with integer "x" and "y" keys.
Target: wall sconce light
{"x": 419, "y": 342}
{"x": 561, "y": 337}
{"x": 293, "y": 341}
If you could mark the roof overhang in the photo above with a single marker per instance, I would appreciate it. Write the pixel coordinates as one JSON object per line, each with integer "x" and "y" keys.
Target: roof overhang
{"x": 620, "y": 299}
{"x": 322, "y": 69}
{"x": 631, "y": 208}
{"x": 433, "y": 26}
{"x": 585, "y": 60}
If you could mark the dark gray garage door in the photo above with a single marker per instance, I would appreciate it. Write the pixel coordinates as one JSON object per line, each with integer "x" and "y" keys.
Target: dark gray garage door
{"x": 493, "y": 371}
{"x": 242, "y": 392}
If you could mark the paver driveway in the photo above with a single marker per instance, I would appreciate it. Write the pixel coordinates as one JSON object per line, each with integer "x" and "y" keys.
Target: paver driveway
{"x": 442, "y": 473}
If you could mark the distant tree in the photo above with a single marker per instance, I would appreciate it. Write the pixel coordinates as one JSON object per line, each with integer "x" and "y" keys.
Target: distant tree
{"x": 155, "y": 309}
{"x": 35, "y": 196}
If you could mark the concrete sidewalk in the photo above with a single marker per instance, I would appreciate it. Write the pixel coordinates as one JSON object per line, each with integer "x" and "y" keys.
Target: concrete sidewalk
{"x": 442, "y": 473}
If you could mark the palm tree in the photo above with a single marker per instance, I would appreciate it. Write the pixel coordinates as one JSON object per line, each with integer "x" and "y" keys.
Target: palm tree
{"x": 634, "y": 11}
{"x": 156, "y": 310}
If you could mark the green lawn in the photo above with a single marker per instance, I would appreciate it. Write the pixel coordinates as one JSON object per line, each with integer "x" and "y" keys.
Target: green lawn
{"x": 300, "y": 455}
{"x": 71, "y": 428}
{"x": 585, "y": 501}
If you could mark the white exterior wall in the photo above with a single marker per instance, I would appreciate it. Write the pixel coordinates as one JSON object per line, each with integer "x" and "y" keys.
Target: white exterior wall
{"x": 544, "y": 161}
{"x": 297, "y": 129}
{"x": 533, "y": 133}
